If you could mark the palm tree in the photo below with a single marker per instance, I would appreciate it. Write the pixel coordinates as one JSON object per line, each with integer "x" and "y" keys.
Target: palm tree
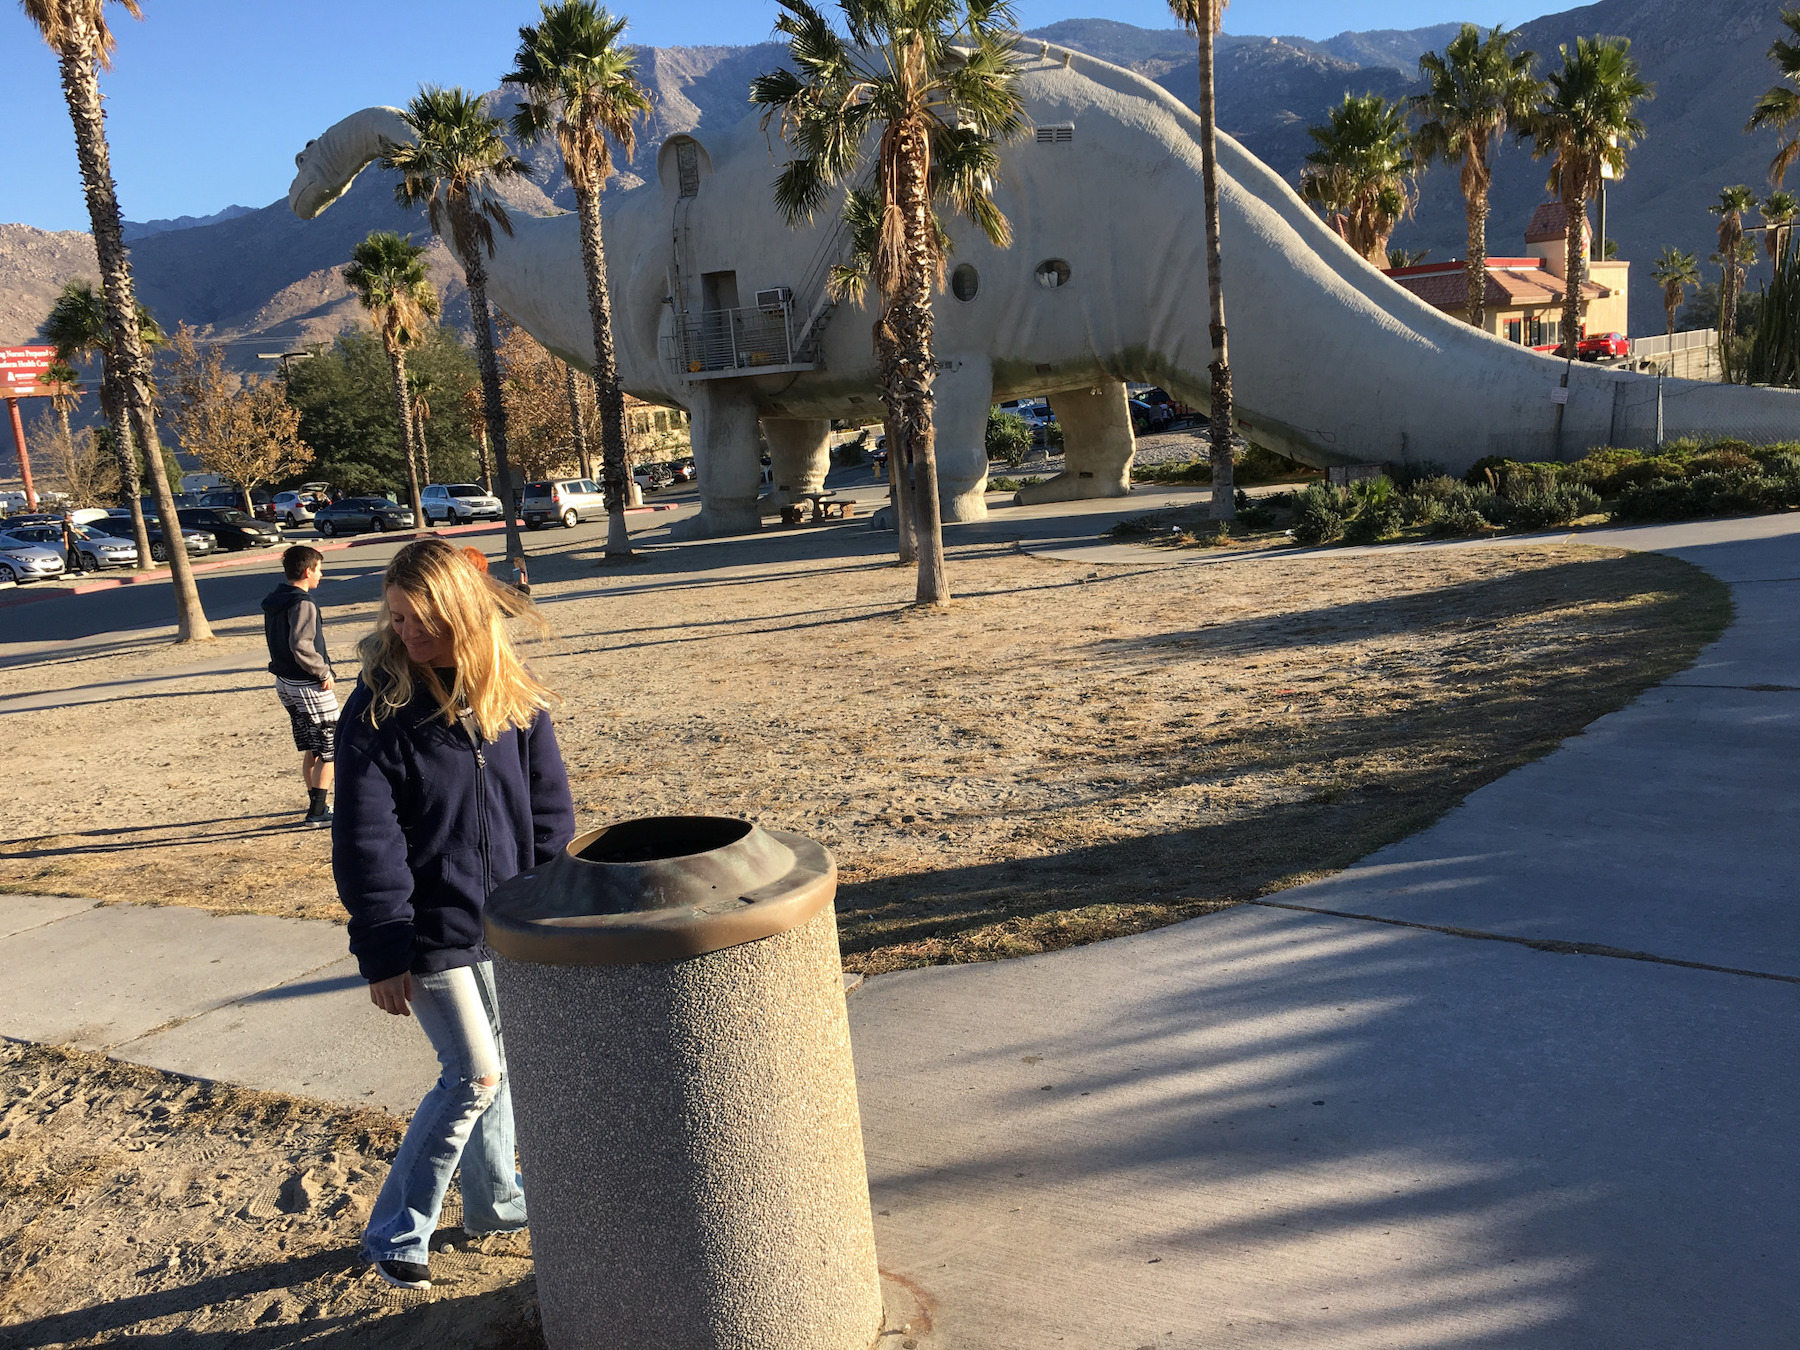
{"x": 1779, "y": 108}
{"x": 1363, "y": 170}
{"x": 1205, "y": 18}
{"x": 577, "y": 421}
{"x": 575, "y": 78}
{"x": 452, "y": 170}
{"x": 418, "y": 394}
{"x": 389, "y": 276}
{"x": 1474, "y": 91}
{"x": 1730, "y": 208}
{"x": 1587, "y": 120}
{"x": 935, "y": 83}
{"x": 1675, "y": 271}
{"x": 76, "y": 30}
{"x": 65, "y": 394}
{"x": 76, "y": 328}
{"x": 1778, "y": 210}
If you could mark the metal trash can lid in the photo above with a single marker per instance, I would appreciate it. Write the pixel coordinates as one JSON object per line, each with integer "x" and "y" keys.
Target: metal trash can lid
{"x": 660, "y": 888}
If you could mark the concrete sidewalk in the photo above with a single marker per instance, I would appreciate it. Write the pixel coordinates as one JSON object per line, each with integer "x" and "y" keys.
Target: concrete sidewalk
{"x": 1269, "y": 1126}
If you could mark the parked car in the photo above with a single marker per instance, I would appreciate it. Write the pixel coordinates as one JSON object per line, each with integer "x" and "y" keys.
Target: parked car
{"x": 232, "y": 528}
{"x": 355, "y": 514}
{"x": 686, "y": 471}
{"x": 457, "y": 503}
{"x": 1603, "y": 346}
{"x": 24, "y": 559}
{"x": 566, "y": 499}
{"x": 199, "y": 543}
{"x": 94, "y": 548}
{"x": 87, "y": 515}
{"x": 653, "y": 477}
{"x": 230, "y": 498}
{"x": 294, "y": 509}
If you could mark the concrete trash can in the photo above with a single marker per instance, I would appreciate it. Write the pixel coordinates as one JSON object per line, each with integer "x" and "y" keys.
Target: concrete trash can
{"x": 673, "y": 1007}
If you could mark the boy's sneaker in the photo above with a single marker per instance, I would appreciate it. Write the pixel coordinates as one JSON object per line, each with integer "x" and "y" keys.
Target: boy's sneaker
{"x": 404, "y": 1274}
{"x": 317, "y": 820}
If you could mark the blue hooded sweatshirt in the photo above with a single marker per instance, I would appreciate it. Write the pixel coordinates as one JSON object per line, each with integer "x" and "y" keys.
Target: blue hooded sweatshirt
{"x": 428, "y": 820}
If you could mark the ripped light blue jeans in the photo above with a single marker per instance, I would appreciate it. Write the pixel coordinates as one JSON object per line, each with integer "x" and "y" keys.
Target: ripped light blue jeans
{"x": 461, "y": 1121}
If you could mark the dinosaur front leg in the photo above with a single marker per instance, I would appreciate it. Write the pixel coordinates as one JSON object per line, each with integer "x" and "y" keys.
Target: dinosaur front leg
{"x": 963, "y": 395}
{"x": 730, "y": 469}
{"x": 799, "y": 455}
{"x": 1098, "y": 445}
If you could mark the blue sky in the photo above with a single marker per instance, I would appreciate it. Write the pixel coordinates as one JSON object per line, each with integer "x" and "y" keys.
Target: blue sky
{"x": 209, "y": 99}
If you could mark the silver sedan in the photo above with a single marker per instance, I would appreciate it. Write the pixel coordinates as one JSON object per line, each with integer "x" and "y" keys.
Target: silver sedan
{"x": 24, "y": 560}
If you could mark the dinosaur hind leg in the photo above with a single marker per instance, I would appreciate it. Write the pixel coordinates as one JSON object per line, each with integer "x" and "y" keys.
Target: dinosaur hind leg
{"x": 1098, "y": 445}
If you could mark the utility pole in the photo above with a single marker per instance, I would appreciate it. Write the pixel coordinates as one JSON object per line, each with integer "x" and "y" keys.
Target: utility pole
{"x": 18, "y": 430}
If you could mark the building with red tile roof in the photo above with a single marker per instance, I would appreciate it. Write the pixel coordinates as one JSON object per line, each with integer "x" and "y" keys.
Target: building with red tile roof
{"x": 1525, "y": 294}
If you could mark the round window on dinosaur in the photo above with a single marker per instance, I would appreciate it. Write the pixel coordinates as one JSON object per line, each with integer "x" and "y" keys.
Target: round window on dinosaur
{"x": 964, "y": 282}
{"x": 1052, "y": 272}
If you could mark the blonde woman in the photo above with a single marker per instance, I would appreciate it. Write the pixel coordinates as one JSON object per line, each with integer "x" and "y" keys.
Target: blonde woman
{"x": 449, "y": 782}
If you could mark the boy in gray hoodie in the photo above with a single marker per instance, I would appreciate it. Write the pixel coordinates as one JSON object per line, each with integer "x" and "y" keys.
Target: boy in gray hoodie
{"x": 295, "y": 631}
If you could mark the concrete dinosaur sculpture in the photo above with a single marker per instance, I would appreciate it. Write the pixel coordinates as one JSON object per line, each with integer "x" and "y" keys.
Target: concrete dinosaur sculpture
{"x": 720, "y": 308}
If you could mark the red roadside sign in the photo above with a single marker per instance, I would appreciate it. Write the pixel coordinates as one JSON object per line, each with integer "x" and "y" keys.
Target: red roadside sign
{"x": 22, "y": 371}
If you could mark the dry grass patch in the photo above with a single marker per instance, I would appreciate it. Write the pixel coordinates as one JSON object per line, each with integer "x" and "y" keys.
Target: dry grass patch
{"x": 1068, "y": 753}
{"x": 140, "y": 1207}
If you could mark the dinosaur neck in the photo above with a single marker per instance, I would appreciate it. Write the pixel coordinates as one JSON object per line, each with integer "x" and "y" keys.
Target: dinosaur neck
{"x": 327, "y": 167}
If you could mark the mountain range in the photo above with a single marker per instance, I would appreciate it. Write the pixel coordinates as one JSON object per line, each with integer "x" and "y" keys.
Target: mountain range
{"x": 264, "y": 281}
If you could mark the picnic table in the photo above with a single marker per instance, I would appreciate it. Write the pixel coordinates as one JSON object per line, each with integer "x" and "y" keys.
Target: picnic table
{"x": 825, "y": 504}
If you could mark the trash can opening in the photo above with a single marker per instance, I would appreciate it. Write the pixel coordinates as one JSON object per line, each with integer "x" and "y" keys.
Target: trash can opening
{"x": 658, "y": 837}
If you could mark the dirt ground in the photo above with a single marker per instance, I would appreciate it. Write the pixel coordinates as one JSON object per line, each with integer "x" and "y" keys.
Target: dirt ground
{"x": 138, "y": 1208}
{"x": 1067, "y": 753}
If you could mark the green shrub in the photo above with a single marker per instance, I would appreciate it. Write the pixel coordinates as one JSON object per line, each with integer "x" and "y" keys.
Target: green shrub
{"x": 1008, "y": 438}
{"x": 1458, "y": 522}
{"x": 1377, "y": 511}
{"x": 1255, "y": 464}
{"x": 1320, "y": 513}
{"x": 1187, "y": 471}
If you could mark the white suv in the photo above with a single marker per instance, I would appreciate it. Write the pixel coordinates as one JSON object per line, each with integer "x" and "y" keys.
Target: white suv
{"x": 295, "y": 509}
{"x": 456, "y": 502}
{"x": 566, "y": 499}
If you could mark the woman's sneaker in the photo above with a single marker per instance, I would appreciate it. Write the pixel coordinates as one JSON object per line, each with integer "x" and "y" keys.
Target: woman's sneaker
{"x": 404, "y": 1274}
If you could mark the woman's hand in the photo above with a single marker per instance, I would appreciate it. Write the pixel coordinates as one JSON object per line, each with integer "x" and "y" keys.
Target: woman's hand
{"x": 392, "y": 995}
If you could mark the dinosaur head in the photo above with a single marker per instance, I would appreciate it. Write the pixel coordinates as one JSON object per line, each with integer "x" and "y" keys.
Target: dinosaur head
{"x": 328, "y": 165}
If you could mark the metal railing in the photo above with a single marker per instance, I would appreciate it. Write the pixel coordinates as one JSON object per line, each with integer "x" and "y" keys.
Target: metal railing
{"x": 733, "y": 339}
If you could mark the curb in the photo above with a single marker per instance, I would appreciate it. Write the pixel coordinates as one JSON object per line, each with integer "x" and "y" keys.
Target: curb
{"x": 247, "y": 556}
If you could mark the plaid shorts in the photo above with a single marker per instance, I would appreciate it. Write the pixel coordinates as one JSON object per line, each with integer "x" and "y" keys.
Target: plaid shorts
{"x": 313, "y": 712}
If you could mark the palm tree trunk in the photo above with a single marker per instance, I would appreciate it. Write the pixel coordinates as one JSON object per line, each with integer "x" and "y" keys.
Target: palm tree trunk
{"x": 899, "y": 467}
{"x": 1224, "y": 494}
{"x": 493, "y": 410}
{"x": 1476, "y": 209}
{"x": 578, "y": 423}
{"x": 424, "y": 449}
{"x": 1728, "y": 288}
{"x": 916, "y": 366}
{"x": 481, "y": 458}
{"x": 615, "y": 472}
{"x": 112, "y": 404}
{"x": 396, "y": 355}
{"x": 81, "y": 88}
{"x": 1574, "y": 268}
{"x": 1671, "y": 303}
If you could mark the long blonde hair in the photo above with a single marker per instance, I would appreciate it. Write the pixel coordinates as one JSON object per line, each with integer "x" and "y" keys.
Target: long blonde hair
{"x": 454, "y": 598}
